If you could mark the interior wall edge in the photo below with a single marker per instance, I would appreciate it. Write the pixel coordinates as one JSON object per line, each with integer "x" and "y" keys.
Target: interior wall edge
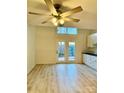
{"x": 31, "y": 30}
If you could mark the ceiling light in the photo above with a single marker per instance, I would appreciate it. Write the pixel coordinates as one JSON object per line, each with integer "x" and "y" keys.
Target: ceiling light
{"x": 54, "y": 20}
{"x": 61, "y": 21}
{"x": 55, "y": 23}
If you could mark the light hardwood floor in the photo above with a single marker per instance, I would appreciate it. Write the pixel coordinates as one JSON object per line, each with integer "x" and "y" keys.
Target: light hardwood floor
{"x": 62, "y": 78}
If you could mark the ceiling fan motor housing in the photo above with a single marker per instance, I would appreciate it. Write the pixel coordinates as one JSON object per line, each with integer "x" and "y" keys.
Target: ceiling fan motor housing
{"x": 57, "y": 7}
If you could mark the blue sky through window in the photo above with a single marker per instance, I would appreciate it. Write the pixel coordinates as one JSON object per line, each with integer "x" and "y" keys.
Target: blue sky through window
{"x": 72, "y": 31}
{"x": 67, "y": 30}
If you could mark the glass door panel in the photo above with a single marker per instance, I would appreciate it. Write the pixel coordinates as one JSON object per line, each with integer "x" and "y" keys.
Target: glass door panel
{"x": 71, "y": 51}
{"x": 61, "y": 51}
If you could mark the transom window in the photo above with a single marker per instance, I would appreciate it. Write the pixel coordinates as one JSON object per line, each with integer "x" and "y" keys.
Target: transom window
{"x": 67, "y": 30}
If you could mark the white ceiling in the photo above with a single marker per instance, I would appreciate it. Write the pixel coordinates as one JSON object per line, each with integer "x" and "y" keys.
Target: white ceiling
{"x": 88, "y": 17}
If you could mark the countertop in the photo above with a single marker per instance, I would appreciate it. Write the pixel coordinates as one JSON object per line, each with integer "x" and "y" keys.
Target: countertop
{"x": 90, "y": 51}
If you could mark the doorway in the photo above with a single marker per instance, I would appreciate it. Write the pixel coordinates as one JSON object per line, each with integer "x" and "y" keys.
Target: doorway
{"x": 66, "y": 51}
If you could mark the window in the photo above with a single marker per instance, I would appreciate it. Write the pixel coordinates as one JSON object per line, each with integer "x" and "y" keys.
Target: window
{"x": 67, "y": 30}
{"x": 61, "y": 30}
{"x": 72, "y": 31}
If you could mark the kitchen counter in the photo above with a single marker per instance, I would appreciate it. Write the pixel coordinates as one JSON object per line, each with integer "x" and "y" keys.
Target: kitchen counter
{"x": 90, "y": 57}
{"x": 90, "y": 51}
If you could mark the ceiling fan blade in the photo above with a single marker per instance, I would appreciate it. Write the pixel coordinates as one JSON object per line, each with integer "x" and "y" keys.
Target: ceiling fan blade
{"x": 35, "y": 13}
{"x": 51, "y": 7}
{"x": 47, "y": 20}
{"x": 70, "y": 12}
{"x": 71, "y": 19}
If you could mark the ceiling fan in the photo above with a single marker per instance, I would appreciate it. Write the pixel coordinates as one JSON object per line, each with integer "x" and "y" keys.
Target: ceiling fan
{"x": 57, "y": 16}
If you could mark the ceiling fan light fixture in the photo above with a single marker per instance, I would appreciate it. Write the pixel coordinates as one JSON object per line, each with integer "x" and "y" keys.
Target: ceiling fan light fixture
{"x": 56, "y": 23}
{"x": 57, "y": 16}
{"x": 54, "y": 20}
{"x": 61, "y": 21}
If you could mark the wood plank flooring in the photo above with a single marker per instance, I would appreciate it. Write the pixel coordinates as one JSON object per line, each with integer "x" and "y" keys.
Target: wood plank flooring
{"x": 62, "y": 78}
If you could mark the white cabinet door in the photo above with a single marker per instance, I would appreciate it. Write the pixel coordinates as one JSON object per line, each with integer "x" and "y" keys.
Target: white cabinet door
{"x": 90, "y": 60}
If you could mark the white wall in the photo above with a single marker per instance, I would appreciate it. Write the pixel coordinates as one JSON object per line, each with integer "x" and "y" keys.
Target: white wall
{"x": 31, "y": 30}
{"x": 46, "y": 38}
{"x": 81, "y": 42}
{"x": 45, "y": 45}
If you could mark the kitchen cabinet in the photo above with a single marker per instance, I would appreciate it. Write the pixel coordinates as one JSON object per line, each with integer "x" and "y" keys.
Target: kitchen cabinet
{"x": 90, "y": 60}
